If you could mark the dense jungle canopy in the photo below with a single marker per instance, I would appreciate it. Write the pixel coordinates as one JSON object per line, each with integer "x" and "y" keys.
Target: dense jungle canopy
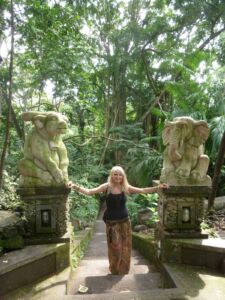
{"x": 118, "y": 70}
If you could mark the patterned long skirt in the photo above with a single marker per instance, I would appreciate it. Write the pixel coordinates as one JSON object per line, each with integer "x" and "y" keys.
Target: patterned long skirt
{"x": 119, "y": 242}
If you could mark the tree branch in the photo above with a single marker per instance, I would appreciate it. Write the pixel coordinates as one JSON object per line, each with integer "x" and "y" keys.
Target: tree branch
{"x": 158, "y": 98}
{"x": 90, "y": 138}
{"x": 212, "y": 36}
{"x": 150, "y": 79}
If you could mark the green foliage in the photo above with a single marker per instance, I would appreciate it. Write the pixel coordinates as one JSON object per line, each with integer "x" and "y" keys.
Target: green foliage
{"x": 209, "y": 230}
{"x": 133, "y": 208}
{"x": 84, "y": 208}
{"x": 217, "y": 127}
{"x": 140, "y": 201}
{"x": 9, "y": 200}
{"x": 126, "y": 136}
{"x": 143, "y": 165}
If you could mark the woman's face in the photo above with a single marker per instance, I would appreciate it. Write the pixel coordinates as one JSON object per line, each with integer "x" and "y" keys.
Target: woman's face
{"x": 117, "y": 176}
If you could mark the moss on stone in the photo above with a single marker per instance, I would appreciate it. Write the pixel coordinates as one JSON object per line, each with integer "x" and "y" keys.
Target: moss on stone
{"x": 79, "y": 243}
{"x": 13, "y": 243}
{"x": 171, "y": 251}
{"x": 147, "y": 246}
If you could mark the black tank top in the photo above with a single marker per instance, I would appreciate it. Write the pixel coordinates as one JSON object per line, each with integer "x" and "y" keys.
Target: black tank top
{"x": 115, "y": 207}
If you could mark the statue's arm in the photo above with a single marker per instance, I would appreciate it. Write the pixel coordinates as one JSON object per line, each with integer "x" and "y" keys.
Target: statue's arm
{"x": 63, "y": 159}
{"x": 41, "y": 152}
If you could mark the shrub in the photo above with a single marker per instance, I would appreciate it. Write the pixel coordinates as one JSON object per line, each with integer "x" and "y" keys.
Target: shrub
{"x": 84, "y": 208}
{"x": 141, "y": 201}
{"x": 9, "y": 200}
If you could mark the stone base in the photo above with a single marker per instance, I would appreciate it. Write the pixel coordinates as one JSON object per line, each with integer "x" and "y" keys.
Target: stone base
{"x": 46, "y": 211}
{"x": 163, "y": 233}
{"x": 174, "y": 180}
{"x": 46, "y": 239}
{"x": 185, "y": 235}
{"x": 181, "y": 211}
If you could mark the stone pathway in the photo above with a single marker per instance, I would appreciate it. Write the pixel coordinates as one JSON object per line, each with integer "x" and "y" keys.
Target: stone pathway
{"x": 93, "y": 272}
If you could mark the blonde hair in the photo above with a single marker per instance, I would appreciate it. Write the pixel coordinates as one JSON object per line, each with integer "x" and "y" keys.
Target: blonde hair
{"x": 125, "y": 184}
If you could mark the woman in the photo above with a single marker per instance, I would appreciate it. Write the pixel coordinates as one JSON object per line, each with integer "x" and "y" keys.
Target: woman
{"x": 118, "y": 226}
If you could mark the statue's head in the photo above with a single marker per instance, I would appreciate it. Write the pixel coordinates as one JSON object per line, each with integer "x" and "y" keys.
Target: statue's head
{"x": 53, "y": 123}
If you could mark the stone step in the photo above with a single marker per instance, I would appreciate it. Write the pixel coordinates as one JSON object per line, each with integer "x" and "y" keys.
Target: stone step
{"x": 115, "y": 283}
{"x": 208, "y": 253}
{"x": 148, "y": 294}
{"x": 136, "y": 262}
{"x": 103, "y": 269}
{"x": 22, "y": 267}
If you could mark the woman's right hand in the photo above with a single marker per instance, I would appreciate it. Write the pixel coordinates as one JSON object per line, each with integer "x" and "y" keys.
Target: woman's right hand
{"x": 74, "y": 186}
{"x": 70, "y": 185}
{"x": 163, "y": 186}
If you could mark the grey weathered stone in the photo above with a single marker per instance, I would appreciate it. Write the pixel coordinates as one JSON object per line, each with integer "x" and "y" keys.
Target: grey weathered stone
{"x": 144, "y": 215}
{"x": 141, "y": 227}
{"x": 11, "y": 230}
{"x": 10, "y": 224}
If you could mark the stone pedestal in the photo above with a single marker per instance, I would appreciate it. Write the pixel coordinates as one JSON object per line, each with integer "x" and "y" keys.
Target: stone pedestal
{"x": 46, "y": 210}
{"x": 181, "y": 211}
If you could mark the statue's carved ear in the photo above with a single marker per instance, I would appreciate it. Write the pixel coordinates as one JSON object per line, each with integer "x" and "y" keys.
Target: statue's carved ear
{"x": 200, "y": 133}
{"x": 30, "y": 115}
{"x": 39, "y": 121}
{"x": 166, "y": 133}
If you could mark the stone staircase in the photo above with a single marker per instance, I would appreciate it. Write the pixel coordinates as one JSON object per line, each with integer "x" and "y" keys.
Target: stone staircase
{"x": 98, "y": 281}
{"x": 143, "y": 281}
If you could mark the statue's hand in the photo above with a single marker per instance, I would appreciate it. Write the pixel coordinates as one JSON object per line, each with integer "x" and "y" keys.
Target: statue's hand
{"x": 195, "y": 174}
{"x": 183, "y": 172}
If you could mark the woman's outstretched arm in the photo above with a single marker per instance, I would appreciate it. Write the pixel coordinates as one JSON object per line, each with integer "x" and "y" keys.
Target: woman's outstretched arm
{"x": 147, "y": 190}
{"x": 99, "y": 189}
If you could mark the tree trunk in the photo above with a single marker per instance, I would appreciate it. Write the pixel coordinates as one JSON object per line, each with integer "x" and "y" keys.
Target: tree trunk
{"x": 19, "y": 130}
{"x": 115, "y": 105}
{"x": 7, "y": 135}
{"x": 1, "y": 96}
{"x": 108, "y": 103}
{"x": 119, "y": 103}
{"x": 81, "y": 123}
{"x": 216, "y": 176}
